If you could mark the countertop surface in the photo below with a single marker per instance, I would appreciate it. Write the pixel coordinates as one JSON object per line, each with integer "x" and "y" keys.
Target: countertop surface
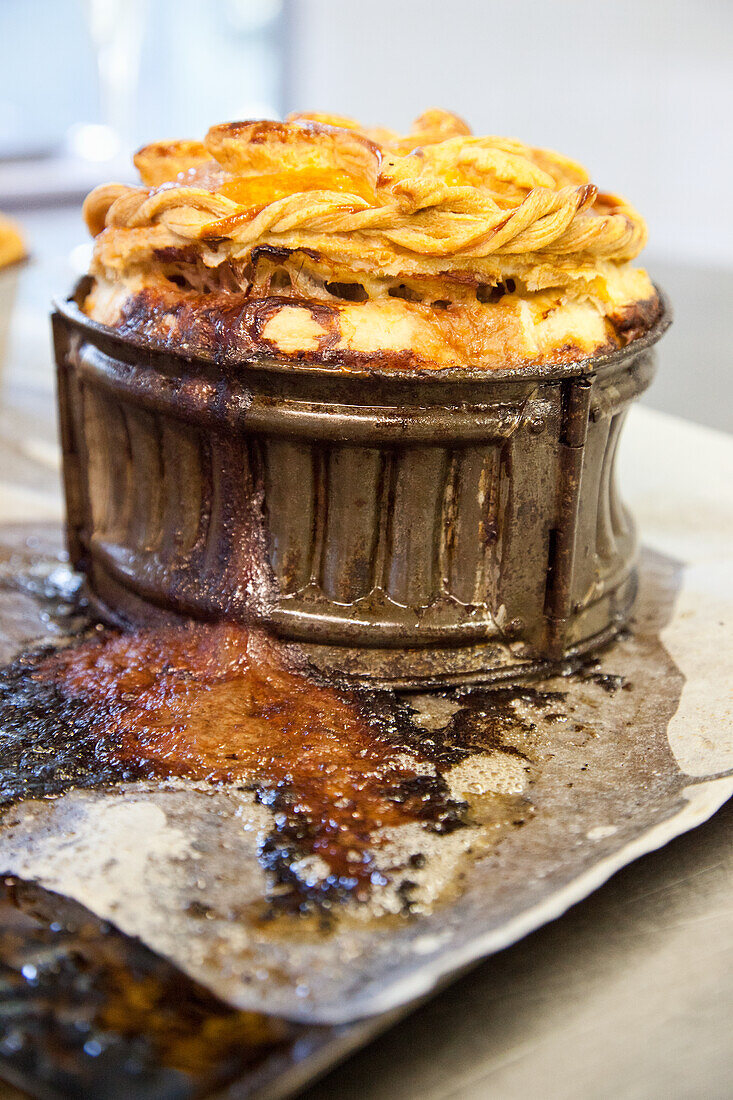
{"x": 630, "y": 993}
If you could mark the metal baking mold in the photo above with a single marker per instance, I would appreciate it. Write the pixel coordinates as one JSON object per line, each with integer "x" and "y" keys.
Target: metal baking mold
{"x": 407, "y": 528}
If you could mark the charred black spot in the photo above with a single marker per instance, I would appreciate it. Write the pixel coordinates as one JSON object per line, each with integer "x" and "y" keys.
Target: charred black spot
{"x": 634, "y": 320}
{"x": 488, "y": 721}
{"x": 46, "y": 743}
{"x": 588, "y": 670}
{"x": 406, "y": 293}
{"x": 350, "y": 292}
{"x": 494, "y": 293}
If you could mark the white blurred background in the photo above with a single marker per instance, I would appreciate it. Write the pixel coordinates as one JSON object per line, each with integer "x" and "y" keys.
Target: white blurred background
{"x": 640, "y": 91}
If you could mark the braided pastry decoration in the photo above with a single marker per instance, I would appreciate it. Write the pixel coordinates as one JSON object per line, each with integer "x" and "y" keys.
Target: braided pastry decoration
{"x": 436, "y": 202}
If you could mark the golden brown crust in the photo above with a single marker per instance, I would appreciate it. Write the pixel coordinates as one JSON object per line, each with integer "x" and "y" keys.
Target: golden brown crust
{"x": 384, "y": 334}
{"x": 266, "y": 148}
{"x": 439, "y": 246}
{"x": 164, "y": 160}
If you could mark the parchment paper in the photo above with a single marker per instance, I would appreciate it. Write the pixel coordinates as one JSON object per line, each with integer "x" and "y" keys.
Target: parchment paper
{"x": 613, "y": 774}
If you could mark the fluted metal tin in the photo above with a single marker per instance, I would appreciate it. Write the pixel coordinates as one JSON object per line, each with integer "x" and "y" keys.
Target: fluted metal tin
{"x": 406, "y": 527}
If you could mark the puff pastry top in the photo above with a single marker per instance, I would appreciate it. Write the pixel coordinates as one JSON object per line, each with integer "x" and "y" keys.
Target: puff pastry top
{"x": 341, "y": 244}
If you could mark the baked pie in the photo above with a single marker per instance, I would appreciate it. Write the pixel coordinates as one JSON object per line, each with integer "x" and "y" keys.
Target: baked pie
{"x": 362, "y": 390}
{"x": 318, "y": 240}
{"x": 12, "y": 247}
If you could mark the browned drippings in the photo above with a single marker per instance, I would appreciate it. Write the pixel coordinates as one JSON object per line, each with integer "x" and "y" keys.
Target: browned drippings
{"x": 341, "y": 770}
{"x": 225, "y": 704}
{"x": 92, "y": 1012}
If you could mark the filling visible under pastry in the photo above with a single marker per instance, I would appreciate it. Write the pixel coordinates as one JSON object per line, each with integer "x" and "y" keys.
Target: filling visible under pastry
{"x": 317, "y": 240}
